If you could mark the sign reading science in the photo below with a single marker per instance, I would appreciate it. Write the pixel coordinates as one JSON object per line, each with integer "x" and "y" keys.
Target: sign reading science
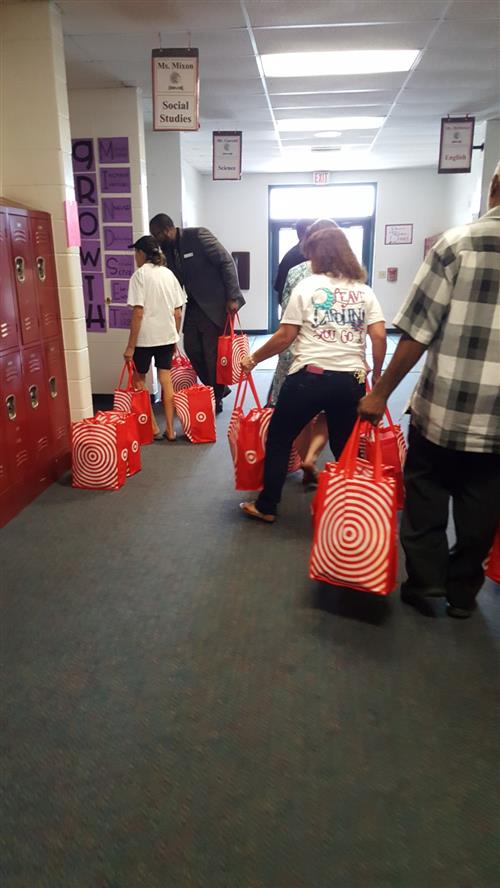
{"x": 175, "y": 89}
{"x": 226, "y": 155}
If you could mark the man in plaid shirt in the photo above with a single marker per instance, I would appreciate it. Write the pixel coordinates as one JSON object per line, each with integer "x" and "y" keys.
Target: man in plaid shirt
{"x": 453, "y": 313}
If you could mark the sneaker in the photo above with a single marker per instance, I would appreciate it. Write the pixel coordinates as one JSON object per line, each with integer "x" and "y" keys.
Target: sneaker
{"x": 460, "y": 613}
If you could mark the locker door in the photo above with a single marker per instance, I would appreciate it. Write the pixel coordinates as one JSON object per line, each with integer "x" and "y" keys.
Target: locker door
{"x": 37, "y": 410}
{"x": 55, "y": 373}
{"x": 8, "y": 322}
{"x": 45, "y": 275}
{"x": 22, "y": 258}
{"x": 13, "y": 420}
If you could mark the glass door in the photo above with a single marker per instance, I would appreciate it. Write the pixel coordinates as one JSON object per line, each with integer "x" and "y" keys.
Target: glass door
{"x": 359, "y": 233}
{"x": 351, "y": 205}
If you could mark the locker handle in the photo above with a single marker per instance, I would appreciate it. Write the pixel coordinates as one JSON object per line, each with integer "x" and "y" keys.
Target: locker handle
{"x": 53, "y": 387}
{"x": 33, "y": 391}
{"x": 10, "y": 403}
{"x": 20, "y": 271}
{"x": 40, "y": 267}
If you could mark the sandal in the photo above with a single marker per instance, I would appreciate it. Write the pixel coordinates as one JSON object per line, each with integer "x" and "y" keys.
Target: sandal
{"x": 168, "y": 438}
{"x": 251, "y": 511}
{"x": 310, "y": 476}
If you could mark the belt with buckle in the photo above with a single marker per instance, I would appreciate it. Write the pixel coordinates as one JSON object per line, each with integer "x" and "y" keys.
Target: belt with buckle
{"x": 318, "y": 371}
{"x": 359, "y": 375}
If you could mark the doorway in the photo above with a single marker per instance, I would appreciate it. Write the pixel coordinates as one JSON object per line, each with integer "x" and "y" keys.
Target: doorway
{"x": 351, "y": 206}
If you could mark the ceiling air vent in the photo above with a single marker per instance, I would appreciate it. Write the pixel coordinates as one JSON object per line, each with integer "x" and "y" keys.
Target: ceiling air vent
{"x": 326, "y": 148}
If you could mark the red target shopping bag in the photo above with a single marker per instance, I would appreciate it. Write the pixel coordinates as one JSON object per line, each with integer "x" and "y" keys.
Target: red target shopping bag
{"x": 131, "y": 422}
{"x": 355, "y": 531}
{"x": 247, "y": 436}
{"x": 99, "y": 454}
{"x": 182, "y": 372}
{"x": 134, "y": 400}
{"x": 195, "y": 408}
{"x": 393, "y": 444}
{"x": 492, "y": 565}
{"x": 231, "y": 348}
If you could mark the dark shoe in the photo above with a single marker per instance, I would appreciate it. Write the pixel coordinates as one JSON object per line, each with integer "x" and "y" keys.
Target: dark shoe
{"x": 460, "y": 613}
{"x": 218, "y": 407}
{"x": 423, "y": 591}
{"x": 420, "y": 602}
{"x": 226, "y": 392}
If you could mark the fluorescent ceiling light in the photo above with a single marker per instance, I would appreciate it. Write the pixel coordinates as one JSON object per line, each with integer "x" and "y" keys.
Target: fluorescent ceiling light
{"x": 338, "y": 63}
{"x": 310, "y": 124}
{"x": 330, "y": 134}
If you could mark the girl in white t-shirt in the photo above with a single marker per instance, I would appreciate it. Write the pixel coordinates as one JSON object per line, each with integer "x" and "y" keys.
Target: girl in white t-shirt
{"x": 157, "y": 299}
{"x": 327, "y": 319}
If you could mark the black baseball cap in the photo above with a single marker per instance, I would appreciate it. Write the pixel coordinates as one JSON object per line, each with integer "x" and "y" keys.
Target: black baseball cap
{"x": 147, "y": 243}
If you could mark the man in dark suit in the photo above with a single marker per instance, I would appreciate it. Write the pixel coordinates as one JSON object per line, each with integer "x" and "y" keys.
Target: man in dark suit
{"x": 292, "y": 258}
{"x": 207, "y": 272}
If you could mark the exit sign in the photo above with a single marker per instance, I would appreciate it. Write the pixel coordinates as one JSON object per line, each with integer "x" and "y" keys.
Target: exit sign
{"x": 321, "y": 177}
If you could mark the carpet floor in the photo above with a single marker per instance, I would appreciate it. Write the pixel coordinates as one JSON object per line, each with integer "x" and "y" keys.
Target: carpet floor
{"x": 183, "y": 707}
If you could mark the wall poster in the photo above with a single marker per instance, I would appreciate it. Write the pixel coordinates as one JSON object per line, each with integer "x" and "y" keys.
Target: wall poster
{"x": 102, "y": 167}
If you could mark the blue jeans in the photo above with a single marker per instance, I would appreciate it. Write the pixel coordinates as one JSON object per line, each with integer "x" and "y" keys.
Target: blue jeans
{"x": 302, "y": 396}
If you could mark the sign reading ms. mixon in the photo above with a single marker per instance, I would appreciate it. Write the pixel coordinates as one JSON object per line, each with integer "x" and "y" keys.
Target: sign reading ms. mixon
{"x": 175, "y": 89}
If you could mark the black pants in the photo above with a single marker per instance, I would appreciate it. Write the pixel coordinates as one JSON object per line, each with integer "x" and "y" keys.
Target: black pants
{"x": 303, "y": 395}
{"x": 200, "y": 344}
{"x": 433, "y": 475}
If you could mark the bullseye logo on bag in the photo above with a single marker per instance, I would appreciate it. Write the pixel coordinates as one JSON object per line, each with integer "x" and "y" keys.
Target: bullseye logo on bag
{"x": 143, "y": 418}
{"x": 223, "y": 361}
{"x": 94, "y": 456}
{"x": 135, "y": 446}
{"x": 350, "y": 541}
{"x": 125, "y": 454}
{"x": 201, "y": 417}
{"x": 251, "y": 456}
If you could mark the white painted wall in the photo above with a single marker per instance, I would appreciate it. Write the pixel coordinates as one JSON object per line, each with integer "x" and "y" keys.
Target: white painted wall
{"x": 192, "y": 197}
{"x": 163, "y": 162}
{"x": 107, "y": 113}
{"x": 35, "y": 160}
{"x": 463, "y": 190}
{"x": 237, "y": 212}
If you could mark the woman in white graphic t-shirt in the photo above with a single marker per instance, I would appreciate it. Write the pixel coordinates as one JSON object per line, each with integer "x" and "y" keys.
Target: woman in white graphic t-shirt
{"x": 327, "y": 319}
{"x": 156, "y": 298}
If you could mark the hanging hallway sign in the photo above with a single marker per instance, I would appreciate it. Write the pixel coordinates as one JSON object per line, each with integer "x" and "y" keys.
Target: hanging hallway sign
{"x": 455, "y": 147}
{"x": 226, "y": 155}
{"x": 176, "y": 89}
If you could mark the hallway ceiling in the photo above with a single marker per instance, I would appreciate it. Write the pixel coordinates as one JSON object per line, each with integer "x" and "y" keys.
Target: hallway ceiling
{"x": 457, "y": 72}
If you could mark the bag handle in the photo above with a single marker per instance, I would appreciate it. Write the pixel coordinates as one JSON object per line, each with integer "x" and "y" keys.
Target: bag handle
{"x": 386, "y": 413}
{"x": 347, "y": 459}
{"x": 246, "y": 380}
{"x": 230, "y": 320}
{"x": 128, "y": 367}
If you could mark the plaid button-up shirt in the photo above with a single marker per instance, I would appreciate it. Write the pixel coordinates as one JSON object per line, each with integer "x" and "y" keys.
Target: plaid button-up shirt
{"x": 454, "y": 310}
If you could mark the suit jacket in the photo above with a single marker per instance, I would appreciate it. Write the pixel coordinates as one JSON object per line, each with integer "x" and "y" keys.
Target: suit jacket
{"x": 206, "y": 270}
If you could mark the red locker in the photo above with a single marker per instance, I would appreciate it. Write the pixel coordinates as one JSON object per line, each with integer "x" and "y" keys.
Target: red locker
{"x": 55, "y": 369}
{"x": 22, "y": 259}
{"x": 14, "y": 415}
{"x": 45, "y": 276}
{"x": 34, "y": 410}
{"x": 35, "y": 385}
{"x": 8, "y": 321}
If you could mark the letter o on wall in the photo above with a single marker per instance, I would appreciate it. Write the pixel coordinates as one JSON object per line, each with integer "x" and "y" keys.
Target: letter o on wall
{"x": 88, "y": 224}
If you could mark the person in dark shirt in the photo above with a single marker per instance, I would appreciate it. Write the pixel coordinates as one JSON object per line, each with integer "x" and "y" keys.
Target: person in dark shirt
{"x": 207, "y": 272}
{"x": 293, "y": 257}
